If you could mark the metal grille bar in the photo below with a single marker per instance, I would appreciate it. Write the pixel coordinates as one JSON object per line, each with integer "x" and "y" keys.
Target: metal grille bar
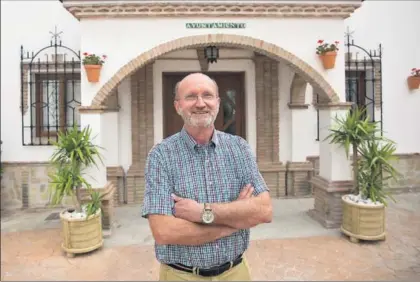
{"x": 50, "y": 92}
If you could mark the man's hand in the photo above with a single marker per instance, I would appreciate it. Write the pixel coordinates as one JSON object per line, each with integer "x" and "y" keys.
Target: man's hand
{"x": 187, "y": 209}
{"x": 246, "y": 192}
{"x": 190, "y": 210}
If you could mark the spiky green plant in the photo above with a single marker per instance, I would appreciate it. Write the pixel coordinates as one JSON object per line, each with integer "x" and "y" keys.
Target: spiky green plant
{"x": 353, "y": 129}
{"x": 74, "y": 152}
{"x": 375, "y": 169}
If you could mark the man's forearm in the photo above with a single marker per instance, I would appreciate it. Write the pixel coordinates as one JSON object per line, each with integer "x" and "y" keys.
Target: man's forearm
{"x": 243, "y": 214}
{"x": 175, "y": 231}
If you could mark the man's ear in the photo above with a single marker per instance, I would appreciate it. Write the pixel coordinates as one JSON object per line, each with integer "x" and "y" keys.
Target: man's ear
{"x": 176, "y": 106}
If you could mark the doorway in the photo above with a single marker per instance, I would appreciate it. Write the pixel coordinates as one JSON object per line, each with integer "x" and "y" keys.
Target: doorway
{"x": 231, "y": 116}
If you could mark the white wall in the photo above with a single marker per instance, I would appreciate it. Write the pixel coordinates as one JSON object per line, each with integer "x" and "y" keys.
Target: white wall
{"x": 395, "y": 24}
{"x": 26, "y": 23}
{"x": 126, "y": 39}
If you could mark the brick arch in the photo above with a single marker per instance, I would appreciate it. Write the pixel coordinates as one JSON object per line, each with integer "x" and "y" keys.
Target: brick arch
{"x": 320, "y": 85}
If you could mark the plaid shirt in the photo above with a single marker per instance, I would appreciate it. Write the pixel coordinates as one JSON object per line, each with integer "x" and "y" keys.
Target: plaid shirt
{"x": 212, "y": 173}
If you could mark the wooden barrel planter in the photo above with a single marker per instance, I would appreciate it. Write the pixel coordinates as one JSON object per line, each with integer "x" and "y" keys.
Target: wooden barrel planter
{"x": 81, "y": 235}
{"x": 363, "y": 222}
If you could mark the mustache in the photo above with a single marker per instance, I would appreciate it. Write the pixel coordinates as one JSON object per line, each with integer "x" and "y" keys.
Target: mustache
{"x": 201, "y": 112}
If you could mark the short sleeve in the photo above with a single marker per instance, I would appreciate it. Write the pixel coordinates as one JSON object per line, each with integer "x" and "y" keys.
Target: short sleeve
{"x": 157, "y": 194}
{"x": 251, "y": 172}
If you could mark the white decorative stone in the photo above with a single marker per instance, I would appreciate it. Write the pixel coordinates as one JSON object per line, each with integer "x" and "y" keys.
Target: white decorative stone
{"x": 359, "y": 199}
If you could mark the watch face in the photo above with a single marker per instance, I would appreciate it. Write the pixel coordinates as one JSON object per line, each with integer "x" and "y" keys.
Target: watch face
{"x": 208, "y": 217}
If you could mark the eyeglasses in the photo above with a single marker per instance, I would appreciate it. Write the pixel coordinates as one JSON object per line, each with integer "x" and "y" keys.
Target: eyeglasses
{"x": 207, "y": 97}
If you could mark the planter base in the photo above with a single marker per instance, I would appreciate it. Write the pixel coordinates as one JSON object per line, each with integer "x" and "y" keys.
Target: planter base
{"x": 363, "y": 222}
{"x": 81, "y": 235}
{"x": 72, "y": 252}
{"x": 354, "y": 238}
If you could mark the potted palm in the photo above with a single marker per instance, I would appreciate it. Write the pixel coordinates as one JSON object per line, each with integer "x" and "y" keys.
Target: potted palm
{"x": 81, "y": 224}
{"x": 364, "y": 208}
{"x": 327, "y": 53}
{"x": 93, "y": 65}
{"x": 413, "y": 81}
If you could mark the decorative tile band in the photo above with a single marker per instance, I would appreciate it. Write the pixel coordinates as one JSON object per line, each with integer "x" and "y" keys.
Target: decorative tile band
{"x": 278, "y": 10}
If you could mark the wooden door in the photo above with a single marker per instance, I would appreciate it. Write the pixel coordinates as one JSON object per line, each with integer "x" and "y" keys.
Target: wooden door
{"x": 231, "y": 117}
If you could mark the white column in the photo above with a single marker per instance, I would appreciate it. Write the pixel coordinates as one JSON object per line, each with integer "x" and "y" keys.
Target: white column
{"x": 334, "y": 165}
{"x": 96, "y": 176}
{"x": 300, "y": 134}
{"x": 110, "y": 138}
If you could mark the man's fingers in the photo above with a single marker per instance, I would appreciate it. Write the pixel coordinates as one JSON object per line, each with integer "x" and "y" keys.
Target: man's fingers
{"x": 246, "y": 192}
{"x": 243, "y": 192}
{"x": 176, "y": 198}
{"x": 249, "y": 192}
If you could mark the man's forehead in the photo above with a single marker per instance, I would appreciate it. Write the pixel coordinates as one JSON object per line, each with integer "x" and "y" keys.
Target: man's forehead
{"x": 197, "y": 84}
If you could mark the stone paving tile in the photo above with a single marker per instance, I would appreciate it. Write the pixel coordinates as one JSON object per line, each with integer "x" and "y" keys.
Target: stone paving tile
{"x": 36, "y": 255}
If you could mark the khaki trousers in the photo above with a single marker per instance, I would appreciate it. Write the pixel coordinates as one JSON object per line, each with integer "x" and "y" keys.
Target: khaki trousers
{"x": 238, "y": 273}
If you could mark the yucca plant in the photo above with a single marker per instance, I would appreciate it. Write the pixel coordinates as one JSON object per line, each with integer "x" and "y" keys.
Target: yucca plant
{"x": 74, "y": 152}
{"x": 352, "y": 130}
{"x": 375, "y": 169}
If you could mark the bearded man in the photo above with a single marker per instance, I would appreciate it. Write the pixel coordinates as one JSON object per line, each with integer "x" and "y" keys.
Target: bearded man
{"x": 203, "y": 192}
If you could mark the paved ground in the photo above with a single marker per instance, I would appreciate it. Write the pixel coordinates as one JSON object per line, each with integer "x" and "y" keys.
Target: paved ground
{"x": 293, "y": 247}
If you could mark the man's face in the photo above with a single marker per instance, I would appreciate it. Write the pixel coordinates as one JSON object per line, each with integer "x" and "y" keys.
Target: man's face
{"x": 198, "y": 101}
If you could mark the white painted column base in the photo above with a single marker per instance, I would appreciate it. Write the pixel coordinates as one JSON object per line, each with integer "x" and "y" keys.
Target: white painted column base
{"x": 334, "y": 165}
{"x": 96, "y": 176}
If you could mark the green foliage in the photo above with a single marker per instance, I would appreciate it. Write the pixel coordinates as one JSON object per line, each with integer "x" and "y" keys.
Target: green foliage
{"x": 375, "y": 169}
{"x": 63, "y": 183}
{"x": 93, "y": 59}
{"x": 74, "y": 152}
{"x": 323, "y": 48}
{"x": 76, "y": 148}
{"x": 95, "y": 202}
{"x": 353, "y": 129}
{"x": 376, "y": 153}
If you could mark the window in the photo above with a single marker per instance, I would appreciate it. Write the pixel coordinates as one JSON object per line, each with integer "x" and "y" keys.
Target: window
{"x": 359, "y": 90}
{"x": 55, "y": 98}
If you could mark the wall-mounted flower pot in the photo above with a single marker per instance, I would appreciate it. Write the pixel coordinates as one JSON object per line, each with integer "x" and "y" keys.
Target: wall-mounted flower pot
{"x": 328, "y": 59}
{"x": 93, "y": 72}
{"x": 413, "y": 82}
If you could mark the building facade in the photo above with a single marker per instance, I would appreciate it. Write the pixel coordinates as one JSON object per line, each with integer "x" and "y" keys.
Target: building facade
{"x": 274, "y": 89}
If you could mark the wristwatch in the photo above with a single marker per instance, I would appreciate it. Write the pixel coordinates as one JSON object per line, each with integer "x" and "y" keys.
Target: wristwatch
{"x": 208, "y": 216}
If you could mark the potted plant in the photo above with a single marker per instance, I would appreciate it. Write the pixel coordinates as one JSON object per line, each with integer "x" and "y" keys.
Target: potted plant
{"x": 327, "y": 53}
{"x": 81, "y": 225}
{"x": 413, "y": 80}
{"x": 93, "y": 65}
{"x": 364, "y": 208}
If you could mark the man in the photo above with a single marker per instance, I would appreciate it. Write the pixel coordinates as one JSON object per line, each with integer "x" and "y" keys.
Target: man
{"x": 203, "y": 192}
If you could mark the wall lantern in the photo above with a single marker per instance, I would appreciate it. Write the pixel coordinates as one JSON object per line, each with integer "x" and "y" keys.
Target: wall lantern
{"x": 211, "y": 54}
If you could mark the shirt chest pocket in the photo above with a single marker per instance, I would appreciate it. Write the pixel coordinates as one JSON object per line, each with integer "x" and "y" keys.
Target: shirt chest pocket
{"x": 189, "y": 186}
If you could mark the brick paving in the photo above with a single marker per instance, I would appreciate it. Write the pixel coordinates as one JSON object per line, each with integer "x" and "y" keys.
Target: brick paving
{"x": 36, "y": 255}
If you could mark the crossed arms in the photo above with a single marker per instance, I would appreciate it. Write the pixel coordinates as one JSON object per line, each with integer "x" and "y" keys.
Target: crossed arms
{"x": 183, "y": 226}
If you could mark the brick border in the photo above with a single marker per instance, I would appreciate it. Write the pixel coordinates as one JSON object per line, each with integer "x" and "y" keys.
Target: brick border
{"x": 100, "y": 9}
{"x": 297, "y": 93}
{"x": 307, "y": 72}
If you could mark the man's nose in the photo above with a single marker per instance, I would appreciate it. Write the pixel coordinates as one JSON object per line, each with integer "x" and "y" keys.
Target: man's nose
{"x": 200, "y": 102}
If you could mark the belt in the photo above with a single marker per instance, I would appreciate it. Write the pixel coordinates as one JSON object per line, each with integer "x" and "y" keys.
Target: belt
{"x": 207, "y": 272}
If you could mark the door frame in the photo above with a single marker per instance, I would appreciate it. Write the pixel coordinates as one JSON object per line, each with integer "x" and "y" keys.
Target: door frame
{"x": 242, "y": 94}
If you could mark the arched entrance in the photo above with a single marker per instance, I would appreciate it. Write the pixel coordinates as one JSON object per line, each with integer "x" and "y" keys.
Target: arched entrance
{"x": 321, "y": 86}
